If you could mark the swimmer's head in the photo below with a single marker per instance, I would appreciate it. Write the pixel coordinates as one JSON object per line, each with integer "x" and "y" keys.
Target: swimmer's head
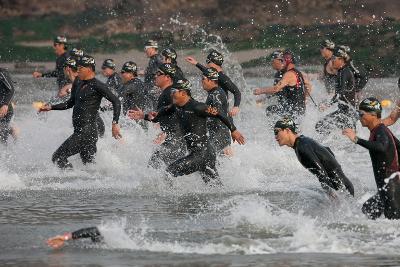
{"x": 369, "y": 110}
{"x": 151, "y": 48}
{"x": 108, "y": 67}
{"x": 169, "y": 55}
{"x": 284, "y": 130}
{"x": 86, "y": 67}
{"x": 76, "y": 53}
{"x": 210, "y": 79}
{"x": 181, "y": 92}
{"x": 215, "y": 57}
{"x": 277, "y": 60}
{"x": 326, "y": 48}
{"x": 128, "y": 71}
{"x": 165, "y": 75}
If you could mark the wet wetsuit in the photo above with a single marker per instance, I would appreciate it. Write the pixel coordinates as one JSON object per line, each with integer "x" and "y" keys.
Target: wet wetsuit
{"x": 133, "y": 95}
{"x": 58, "y": 73}
{"x": 149, "y": 79}
{"x": 227, "y": 85}
{"x": 114, "y": 82}
{"x": 329, "y": 79}
{"x": 173, "y": 147}
{"x": 92, "y": 232}
{"x": 345, "y": 96}
{"x": 192, "y": 118}
{"x": 321, "y": 162}
{"x": 6, "y": 95}
{"x": 179, "y": 73}
{"x": 85, "y": 99}
{"x": 219, "y": 134}
{"x": 383, "y": 149}
{"x": 274, "y": 109}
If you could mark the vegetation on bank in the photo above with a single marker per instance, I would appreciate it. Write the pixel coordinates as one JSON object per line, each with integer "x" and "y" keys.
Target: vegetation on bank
{"x": 376, "y": 45}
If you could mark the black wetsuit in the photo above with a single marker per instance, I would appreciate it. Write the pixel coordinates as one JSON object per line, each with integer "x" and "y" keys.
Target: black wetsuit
{"x": 383, "y": 149}
{"x": 6, "y": 95}
{"x": 133, "y": 94}
{"x": 329, "y": 79}
{"x": 149, "y": 79}
{"x": 58, "y": 73}
{"x": 179, "y": 73}
{"x": 321, "y": 162}
{"x": 173, "y": 147}
{"x": 114, "y": 82}
{"x": 85, "y": 99}
{"x": 219, "y": 134}
{"x": 227, "y": 85}
{"x": 92, "y": 232}
{"x": 345, "y": 96}
{"x": 192, "y": 118}
{"x": 275, "y": 109}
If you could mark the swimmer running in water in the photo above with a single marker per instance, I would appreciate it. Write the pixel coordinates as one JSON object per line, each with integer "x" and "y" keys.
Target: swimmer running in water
{"x": 319, "y": 160}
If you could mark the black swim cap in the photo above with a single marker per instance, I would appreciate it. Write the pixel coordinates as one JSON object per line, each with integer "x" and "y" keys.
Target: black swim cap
{"x": 108, "y": 63}
{"x": 215, "y": 57}
{"x": 167, "y": 69}
{"x": 71, "y": 62}
{"x": 328, "y": 44}
{"x": 60, "y": 40}
{"x": 86, "y": 61}
{"x": 129, "y": 66}
{"x": 371, "y": 104}
{"x": 183, "y": 84}
{"x": 340, "y": 51}
{"x": 286, "y": 123}
{"x": 151, "y": 43}
{"x": 211, "y": 74}
{"x": 169, "y": 53}
{"x": 76, "y": 53}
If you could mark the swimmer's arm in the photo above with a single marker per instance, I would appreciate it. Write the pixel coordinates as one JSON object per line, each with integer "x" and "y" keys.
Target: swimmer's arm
{"x": 380, "y": 145}
{"x": 286, "y": 80}
{"x": 162, "y": 112}
{"x": 48, "y": 74}
{"x": 231, "y": 88}
{"x": 5, "y": 86}
{"x": 91, "y": 232}
{"x": 208, "y": 111}
{"x": 116, "y": 104}
{"x": 201, "y": 67}
{"x": 393, "y": 117}
{"x": 70, "y": 102}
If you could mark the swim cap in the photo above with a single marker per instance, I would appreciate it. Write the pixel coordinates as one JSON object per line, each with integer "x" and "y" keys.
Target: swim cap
{"x": 108, "y": 63}
{"x": 215, "y": 57}
{"x": 371, "y": 104}
{"x": 211, "y": 74}
{"x": 341, "y": 53}
{"x": 60, "y": 40}
{"x": 151, "y": 43}
{"x": 278, "y": 54}
{"x": 86, "y": 61}
{"x": 71, "y": 62}
{"x": 183, "y": 84}
{"x": 345, "y": 48}
{"x": 169, "y": 53}
{"x": 167, "y": 69}
{"x": 328, "y": 44}
{"x": 129, "y": 66}
{"x": 76, "y": 53}
{"x": 288, "y": 57}
{"x": 286, "y": 123}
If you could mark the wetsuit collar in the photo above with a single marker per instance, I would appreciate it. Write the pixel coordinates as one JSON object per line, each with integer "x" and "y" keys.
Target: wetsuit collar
{"x": 297, "y": 141}
{"x": 215, "y": 88}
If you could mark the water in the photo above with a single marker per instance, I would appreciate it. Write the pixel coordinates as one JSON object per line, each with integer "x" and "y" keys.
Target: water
{"x": 270, "y": 212}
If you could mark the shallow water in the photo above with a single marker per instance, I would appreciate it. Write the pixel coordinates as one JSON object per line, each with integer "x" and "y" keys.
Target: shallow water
{"x": 270, "y": 212}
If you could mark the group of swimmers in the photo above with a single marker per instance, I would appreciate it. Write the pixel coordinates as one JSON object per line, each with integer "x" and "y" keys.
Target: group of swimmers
{"x": 194, "y": 133}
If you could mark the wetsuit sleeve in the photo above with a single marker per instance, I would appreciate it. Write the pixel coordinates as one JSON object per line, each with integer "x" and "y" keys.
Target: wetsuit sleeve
{"x": 105, "y": 92}
{"x": 208, "y": 111}
{"x": 380, "y": 145}
{"x": 162, "y": 112}
{"x": 70, "y": 102}
{"x": 227, "y": 83}
{"x": 91, "y": 232}
{"x": 48, "y": 74}
{"x": 201, "y": 67}
{"x": 6, "y": 90}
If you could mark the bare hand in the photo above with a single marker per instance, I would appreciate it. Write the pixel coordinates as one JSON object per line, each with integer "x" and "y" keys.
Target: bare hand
{"x": 45, "y": 107}
{"x": 136, "y": 114}
{"x": 238, "y": 137}
{"x": 115, "y": 130}
{"x": 350, "y": 134}
{"x": 3, "y": 111}
{"x": 37, "y": 74}
{"x": 160, "y": 138}
{"x": 234, "y": 111}
{"x": 65, "y": 90}
{"x": 258, "y": 91}
{"x": 56, "y": 242}
{"x": 191, "y": 60}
